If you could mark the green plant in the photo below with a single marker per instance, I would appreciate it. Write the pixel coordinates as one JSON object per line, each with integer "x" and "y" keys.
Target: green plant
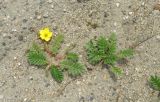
{"x": 48, "y": 56}
{"x": 155, "y": 82}
{"x": 105, "y": 51}
{"x": 71, "y": 64}
{"x": 57, "y": 44}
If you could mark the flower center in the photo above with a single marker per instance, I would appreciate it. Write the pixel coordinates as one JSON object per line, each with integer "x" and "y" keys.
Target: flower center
{"x": 46, "y": 35}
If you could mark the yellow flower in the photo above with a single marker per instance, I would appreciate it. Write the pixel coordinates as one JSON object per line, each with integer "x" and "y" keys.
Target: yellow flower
{"x": 45, "y": 34}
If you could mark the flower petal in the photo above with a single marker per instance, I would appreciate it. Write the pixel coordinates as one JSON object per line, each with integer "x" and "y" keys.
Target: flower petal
{"x": 50, "y": 34}
{"x": 41, "y": 32}
{"x": 47, "y": 39}
{"x": 42, "y": 36}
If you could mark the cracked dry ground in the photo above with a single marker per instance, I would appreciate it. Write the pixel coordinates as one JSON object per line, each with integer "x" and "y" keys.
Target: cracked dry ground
{"x": 79, "y": 20}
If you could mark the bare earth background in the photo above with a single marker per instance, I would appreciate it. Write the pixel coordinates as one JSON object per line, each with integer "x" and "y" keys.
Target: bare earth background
{"x": 79, "y": 20}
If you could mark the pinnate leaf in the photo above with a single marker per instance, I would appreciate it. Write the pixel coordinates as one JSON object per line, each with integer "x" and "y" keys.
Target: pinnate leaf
{"x": 36, "y": 56}
{"x": 126, "y": 53}
{"x": 116, "y": 70}
{"x": 57, "y": 43}
{"x": 56, "y": 73}
{"x": 155, "y": 82}
{"x": 72, "y": 65}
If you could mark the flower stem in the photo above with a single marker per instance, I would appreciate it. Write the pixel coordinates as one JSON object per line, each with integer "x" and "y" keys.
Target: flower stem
{"x": 46, "y": 48}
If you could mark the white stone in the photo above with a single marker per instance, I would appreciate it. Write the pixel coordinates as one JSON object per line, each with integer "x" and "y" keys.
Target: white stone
{"x": 78, "y": 82}
{"x": 25, "y": 99}
{"x": 115, "y": 24}
{"x": 31, "y": 18}
{"x": 45, "y": 15}
{"x": 143, "y": 3}
{"x": 14, "y": 77}
{"x": 136, "y": 69}
{"x": 52, "y": 6}
{"x": 39, "y": 17}
{"x": 114, "y": 31}
{"x": 80, "y": 56}
{"x": 4, "y": 35}
{"x": 68, "y": 45}
{"x": 14, "y": 30}
{"x": 117, "y": 4}
{"x": 1, "y": 96}
{"x": 15, "y": 58}
{"x": 158, "y": 36}
{"x": 50, "y": 1}
{"x": 19, "y": 63}
{"x": 64, "y": 10}
{"x": 127, "y": 73}
{"x": 126, "y": 17}
{"x": 130, "y": 13}
{"x": 30, "y": 77}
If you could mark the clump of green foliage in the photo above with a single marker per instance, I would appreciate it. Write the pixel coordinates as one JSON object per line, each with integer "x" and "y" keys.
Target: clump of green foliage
{"x": 71, "y": 64}
{"x": 155, "y": 82}
{"x": 70, "y": 61}
{"x": 105, "y": 51}
{"x": 36, "y": 56}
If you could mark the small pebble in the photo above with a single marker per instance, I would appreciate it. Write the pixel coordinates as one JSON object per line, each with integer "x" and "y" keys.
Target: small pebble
{"x": 105, "y": 77}
{"x": 2, "y": 83}
{"x": 39, "y": 17}
{"x": 68, "y": 45}
{"x": 80, "y": 56}
{"x": 130, "y": 13}
{"x": 125, "y": 17}
{"x": 24, "y": 26}
{"x": 14, "y": 77}
{"x": 64, "y": 10}
{"x": 14, "y": 30}
{"x": 3, "y": 43}
{"x": 127, "y": 73}
{"x": 137, "y": 69}
{"x": 156, "y": 12}
{"x": 45, "y": 15}
{"x": 1, "y": 23}
{"x": 4, "y": 35}
{"x": 115, "y": 24}
{"x": 1, "y": 96}
{"x": 117, "y": 4}
{"x": 19, "y": 64}
{"x": 158, "y": 36}
{"x": 20, "y": 38}
{"x": 50, "y": 1}
{"x": 15, "y": 58}
{"x": 9, "y": 37}
{"x": 78, "y": 82}
{"x": 25, "y": 20}
{"x": 143, "y": 4}
{"x": 31, "y": 78}
{"x": 82, "y": 99}
{"x": 25, "y": 99}
{"x": 114, "y": 31}
{"x": 91, "y": 97}
{"x": 47, "y": 84}
{"x": 31, "y": 18}
{"x": 52, "y": 6}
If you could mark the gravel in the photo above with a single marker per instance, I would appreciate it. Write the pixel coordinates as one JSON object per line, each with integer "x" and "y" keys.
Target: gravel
{"x": 79, "y": 21}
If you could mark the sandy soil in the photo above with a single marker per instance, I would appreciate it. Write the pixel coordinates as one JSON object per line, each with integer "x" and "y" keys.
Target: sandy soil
{"x": 79, "y": 20}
